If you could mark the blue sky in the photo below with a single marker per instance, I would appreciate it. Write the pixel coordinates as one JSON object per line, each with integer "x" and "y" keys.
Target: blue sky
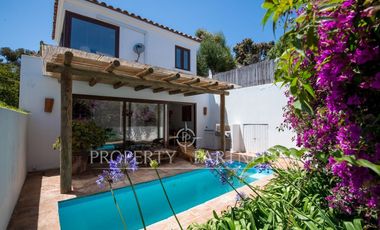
{"x": 23, "y": 23}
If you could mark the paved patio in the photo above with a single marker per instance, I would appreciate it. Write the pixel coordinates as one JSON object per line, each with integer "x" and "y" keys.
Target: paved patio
{"x": 37, "y": 205}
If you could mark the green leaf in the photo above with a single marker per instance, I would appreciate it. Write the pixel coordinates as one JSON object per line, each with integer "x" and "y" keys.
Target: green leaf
{"x": 215, "y": 215}
{"x": 266, "y": 17}
{"x": 311, "y": 225}
{"x": 360, "y": 162}
{"x": 297, "y": 105}
{"x": 358, "y": 223}
{"x": 267, "y": 5}
{"x": 351, "y": 226}
{"x": 309, "y": 89}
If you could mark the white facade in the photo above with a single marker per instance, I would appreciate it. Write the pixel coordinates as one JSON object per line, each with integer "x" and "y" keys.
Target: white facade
{"x": 13, "y": 161}
{"x": 44, "y": 128}
{"x": 251, "y": 105}
{"x": 159, "y": 43}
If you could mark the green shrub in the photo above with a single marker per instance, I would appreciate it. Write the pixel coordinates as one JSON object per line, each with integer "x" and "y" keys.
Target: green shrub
{"x": 86, "y": 135}
{"x": 297, "y": 195}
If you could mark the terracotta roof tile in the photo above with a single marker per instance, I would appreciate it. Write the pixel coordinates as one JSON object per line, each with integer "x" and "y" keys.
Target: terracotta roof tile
{"x": 125, "y": 12}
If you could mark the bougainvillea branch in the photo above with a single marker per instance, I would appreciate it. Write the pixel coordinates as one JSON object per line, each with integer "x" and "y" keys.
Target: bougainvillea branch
{"x": 331, "y": 63}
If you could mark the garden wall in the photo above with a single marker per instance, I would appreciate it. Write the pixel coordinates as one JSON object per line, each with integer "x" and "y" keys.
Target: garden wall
{"x": 12, "y": 162}
{"x": 257, "y": 105}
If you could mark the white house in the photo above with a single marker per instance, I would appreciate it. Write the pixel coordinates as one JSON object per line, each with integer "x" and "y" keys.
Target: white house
{"x": 134, "y": 113}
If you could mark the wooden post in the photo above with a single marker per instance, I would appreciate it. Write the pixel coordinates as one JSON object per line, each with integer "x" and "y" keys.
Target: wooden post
{"x": 222, "y": 125}
{"x": 66, "y": 125}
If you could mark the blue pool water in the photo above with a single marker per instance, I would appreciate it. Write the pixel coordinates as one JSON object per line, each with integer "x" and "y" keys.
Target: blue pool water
{"x": 185, "y": 190}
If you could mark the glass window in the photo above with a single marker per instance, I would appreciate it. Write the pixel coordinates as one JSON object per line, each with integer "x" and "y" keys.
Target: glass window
{"x": 106, "y": 114}
{"x": 178, "y": 58}
{"x": 186, "y": 59}
{"x": 182, "y": 58}
{"x": 93, "y": 36}
{"x": 144, "y": 122}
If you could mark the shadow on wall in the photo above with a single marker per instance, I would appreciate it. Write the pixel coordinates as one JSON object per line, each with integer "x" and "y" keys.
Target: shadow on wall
{"x": 212, "y": 141}
{"x": 237, "y": 140}
{"x": 25, "y": 214}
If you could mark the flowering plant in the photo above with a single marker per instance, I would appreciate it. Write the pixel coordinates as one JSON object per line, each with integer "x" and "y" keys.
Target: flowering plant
{"x": 117, "y": 171}
{"x": 331, "y": 63}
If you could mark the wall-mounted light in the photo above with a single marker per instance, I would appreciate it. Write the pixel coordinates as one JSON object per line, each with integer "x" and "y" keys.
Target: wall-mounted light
{"x": 205, "y": 111}
{"x": 49, "y": 102}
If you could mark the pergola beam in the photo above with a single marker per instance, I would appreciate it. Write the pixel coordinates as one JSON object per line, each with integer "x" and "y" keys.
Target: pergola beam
{"x": 223, "y": 87}
{"x": 68, "y": 58}
{"x": 141, "y": 87}
{"x": 66, "y": 125}
{"x": 157, "y": 90}
{"x": 191, "y": 94}
{"x": 92, "y": 82}
{"x": 118, "y": 84}
{"x": 192, "y": 81}
{"x": 177, "y": 91}
{"x": 112, "y": 65}
{"x": 145, "y": 73}
{"x": 85, "y": 73}
{"x": 171, "y": 77}
{"x": 211, "y": 84}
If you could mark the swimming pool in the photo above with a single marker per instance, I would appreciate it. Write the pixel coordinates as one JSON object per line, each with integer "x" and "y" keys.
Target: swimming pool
{"x": 185, "y": 191}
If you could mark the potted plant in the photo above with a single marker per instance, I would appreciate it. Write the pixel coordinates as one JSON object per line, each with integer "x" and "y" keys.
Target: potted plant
{"x": 86, "y": 135}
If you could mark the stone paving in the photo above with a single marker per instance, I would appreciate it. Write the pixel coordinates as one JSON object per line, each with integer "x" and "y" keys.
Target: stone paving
{"x": 37, "y": 206}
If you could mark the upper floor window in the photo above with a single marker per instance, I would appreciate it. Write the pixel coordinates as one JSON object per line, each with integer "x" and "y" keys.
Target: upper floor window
{"x": 91, "y": 35}
{"x": 182, "y": 58}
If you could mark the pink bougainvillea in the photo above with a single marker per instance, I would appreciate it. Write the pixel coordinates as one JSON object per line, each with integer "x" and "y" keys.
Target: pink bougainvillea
{"x": 345, "y": 76}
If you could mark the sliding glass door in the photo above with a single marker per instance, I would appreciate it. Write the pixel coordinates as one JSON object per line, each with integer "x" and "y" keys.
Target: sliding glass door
{"x": 144, "y": 121}
{"x": 127, "y": 122}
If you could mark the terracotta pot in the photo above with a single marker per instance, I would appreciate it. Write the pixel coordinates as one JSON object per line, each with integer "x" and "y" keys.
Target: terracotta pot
{"x": 79, "y": 163}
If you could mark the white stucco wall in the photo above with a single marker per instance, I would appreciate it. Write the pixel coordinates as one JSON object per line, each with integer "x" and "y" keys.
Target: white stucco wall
{"x": 159, "y": 43}
{"x": 13, "y": 161}
{"x": 44, "y": 128}
{"x": 258, "y": 105}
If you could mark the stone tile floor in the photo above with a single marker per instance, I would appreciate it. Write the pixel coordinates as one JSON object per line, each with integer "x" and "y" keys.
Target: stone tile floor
{"x": 37, "y": 206}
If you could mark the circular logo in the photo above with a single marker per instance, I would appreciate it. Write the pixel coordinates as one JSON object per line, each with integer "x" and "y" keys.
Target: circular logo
{"x": 185, "y": 137}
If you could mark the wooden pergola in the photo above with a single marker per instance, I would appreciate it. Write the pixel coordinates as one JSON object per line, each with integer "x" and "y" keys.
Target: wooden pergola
{"x": 68, "y": 64}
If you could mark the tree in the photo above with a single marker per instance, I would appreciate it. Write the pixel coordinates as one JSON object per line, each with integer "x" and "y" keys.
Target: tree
{"x": 213, "y": 54}
{"x": 9, "y": 84}
{"x": 14, "y": 56}
{"x": 10, "y": 74}
{"x": 248, "y": 52}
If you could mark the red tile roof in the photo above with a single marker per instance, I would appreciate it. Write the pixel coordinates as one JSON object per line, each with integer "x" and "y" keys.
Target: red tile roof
{"x": 103, "y": 4}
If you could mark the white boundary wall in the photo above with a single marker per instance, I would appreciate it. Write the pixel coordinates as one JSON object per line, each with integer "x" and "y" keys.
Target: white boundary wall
{"x": 13, "y": 161}
{"x": 260, "y": 104}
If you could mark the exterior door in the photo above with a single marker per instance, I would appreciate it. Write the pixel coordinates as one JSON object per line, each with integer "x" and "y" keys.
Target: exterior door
{"x": 255, "y": 137}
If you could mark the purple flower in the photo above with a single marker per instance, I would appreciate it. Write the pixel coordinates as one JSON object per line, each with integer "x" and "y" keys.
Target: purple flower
{"x": 109, "y": 177}
{"x": 211, "y": 163}
{"x": 115, "y": 171}
{"x": 223, "y": 170}
{"x": 375, "y": 84}
{"x": 345, "y": 79}
{"x": 240, "y": 196}
{"x": 307, "y": 165}
{"x": 353, "y": 100}
{"x": 263, "y": 167}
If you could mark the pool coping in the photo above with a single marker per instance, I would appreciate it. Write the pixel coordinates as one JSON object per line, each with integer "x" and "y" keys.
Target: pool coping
{"x": 203, "y": 212}
{"x": 123, "y": 187}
